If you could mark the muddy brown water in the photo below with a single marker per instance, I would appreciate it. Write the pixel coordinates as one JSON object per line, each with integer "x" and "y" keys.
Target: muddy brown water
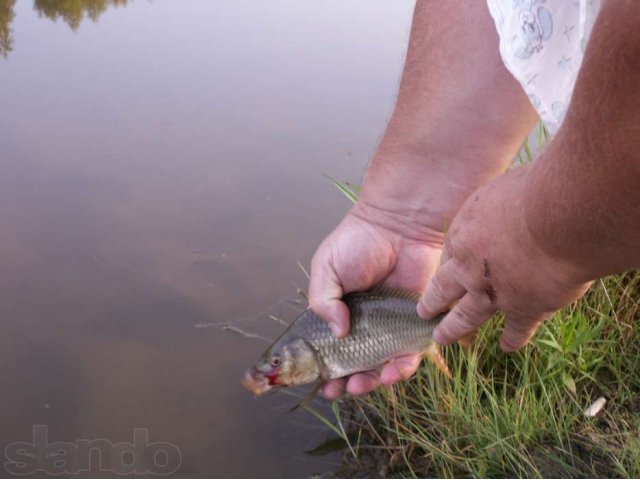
{"x": 161, "y": 168}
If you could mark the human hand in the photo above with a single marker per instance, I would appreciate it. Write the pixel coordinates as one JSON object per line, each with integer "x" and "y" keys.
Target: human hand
{"x": 491, "y": 262}
{"x": 368, "y": 248}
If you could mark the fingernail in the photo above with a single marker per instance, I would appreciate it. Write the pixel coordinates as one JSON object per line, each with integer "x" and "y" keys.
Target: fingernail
{"x": 335, "y": 329}
{"x": 420, "y": 310}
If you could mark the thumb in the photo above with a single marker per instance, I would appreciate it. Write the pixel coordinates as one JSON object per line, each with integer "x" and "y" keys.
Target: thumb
{"x": 325, "y": 294}
{"x": 518, "y": 331}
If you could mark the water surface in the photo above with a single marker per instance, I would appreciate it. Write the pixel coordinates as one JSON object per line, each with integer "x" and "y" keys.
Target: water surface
{"x": 161, "y": 168}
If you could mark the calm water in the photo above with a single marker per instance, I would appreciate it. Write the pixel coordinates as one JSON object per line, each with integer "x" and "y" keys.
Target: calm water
{"x": 160, "y": 168}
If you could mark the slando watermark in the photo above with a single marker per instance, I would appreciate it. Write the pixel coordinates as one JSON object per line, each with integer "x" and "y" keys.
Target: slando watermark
{"x": 84, "y": 455}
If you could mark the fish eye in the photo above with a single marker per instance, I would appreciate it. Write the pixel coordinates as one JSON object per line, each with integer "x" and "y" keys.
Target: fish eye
{"x": 275, "y": 360}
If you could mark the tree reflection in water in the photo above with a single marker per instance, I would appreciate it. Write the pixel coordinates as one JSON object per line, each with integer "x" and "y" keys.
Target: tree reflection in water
{"x": 6, "y": 34}
{"x": 73, "y": 12}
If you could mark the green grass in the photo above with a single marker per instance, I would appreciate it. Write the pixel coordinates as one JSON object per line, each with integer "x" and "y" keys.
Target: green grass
{"x": 518, "y": 414}
{"x": 512, "y": 415}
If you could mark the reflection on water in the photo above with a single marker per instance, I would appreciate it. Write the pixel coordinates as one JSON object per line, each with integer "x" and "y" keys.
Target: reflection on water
{"x": 162, "y": 169}
{"x": 6, "y": 17}
{"x": 71, "y": 11}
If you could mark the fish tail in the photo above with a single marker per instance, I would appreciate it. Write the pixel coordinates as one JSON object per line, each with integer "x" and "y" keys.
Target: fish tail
{"x": 467, "y": 341}
{"x": 433, "y": 353}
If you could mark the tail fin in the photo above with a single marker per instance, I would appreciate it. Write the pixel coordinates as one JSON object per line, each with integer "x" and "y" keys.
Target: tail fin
{"x": 433, "y": 353}
{"x": 467, "y": 341}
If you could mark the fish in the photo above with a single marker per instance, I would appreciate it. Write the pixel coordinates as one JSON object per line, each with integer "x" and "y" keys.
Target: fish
{"x": 384, "y": 325}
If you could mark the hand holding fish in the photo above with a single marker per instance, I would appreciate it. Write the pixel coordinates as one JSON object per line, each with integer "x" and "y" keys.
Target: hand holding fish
{"x": 524, "y": 244}
{"x": 362, "y": 252}
{"x": 436, "y": 150}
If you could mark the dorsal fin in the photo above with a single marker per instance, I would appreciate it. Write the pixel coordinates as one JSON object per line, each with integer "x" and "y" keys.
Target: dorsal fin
{"x": 383, "y": 291}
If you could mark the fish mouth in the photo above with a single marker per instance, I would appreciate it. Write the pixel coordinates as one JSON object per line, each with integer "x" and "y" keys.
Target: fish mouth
{"x": 256, "y": 381}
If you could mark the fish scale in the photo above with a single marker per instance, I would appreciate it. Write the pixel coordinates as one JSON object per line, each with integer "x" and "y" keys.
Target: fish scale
{"x": 384, "y": 324}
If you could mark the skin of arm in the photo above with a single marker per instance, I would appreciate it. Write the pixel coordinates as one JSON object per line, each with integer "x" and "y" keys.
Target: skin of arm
{"x": 585, "y": 190}
{"x": 530, "y": 242}
{"x": 459, "y": 118}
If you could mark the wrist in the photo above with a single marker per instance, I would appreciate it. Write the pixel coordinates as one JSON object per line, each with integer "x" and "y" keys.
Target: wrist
{"x": 549, "y": 218}
{"x": 398, "y": 220}
{"x": 422, "y": 188}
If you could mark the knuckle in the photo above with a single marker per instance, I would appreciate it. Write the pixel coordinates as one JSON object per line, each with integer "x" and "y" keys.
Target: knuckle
{"x": 464, "y": 319}
{"x": 319, "y": 259}
{"x": 317, "y": 305}
{"x": 480, "y": 298}
{"x": 436, "y": 293}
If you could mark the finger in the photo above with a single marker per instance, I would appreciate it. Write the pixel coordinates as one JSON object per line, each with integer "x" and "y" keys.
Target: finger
{"x": 441, "y": 292}
{"x": 325, "y": 292}
{"x": 517, "y": 332}
{"x": 364, "y": 382}
{"x": 445, "y": 257}
{"x": 334, "y": 388}
{"x": 400, "y": 368}
{"x": 465, "y": 318}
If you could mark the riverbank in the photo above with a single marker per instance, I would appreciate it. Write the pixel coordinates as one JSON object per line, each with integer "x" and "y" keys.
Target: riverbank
{"x": 520, "y": 414}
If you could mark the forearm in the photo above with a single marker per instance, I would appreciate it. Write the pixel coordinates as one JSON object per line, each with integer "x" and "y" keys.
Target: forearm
{"x": 583, "y": 194}
{"x": 459, "y": 119}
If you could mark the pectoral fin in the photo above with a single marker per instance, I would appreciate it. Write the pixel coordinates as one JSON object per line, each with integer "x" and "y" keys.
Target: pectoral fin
{"x": 306, "y": 401}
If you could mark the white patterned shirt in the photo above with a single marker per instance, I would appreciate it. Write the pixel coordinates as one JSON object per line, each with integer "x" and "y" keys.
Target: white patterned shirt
{"x": 542, "y": 43}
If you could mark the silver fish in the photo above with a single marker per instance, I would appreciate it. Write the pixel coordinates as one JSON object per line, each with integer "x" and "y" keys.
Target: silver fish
{"x": 384, "y": 325}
